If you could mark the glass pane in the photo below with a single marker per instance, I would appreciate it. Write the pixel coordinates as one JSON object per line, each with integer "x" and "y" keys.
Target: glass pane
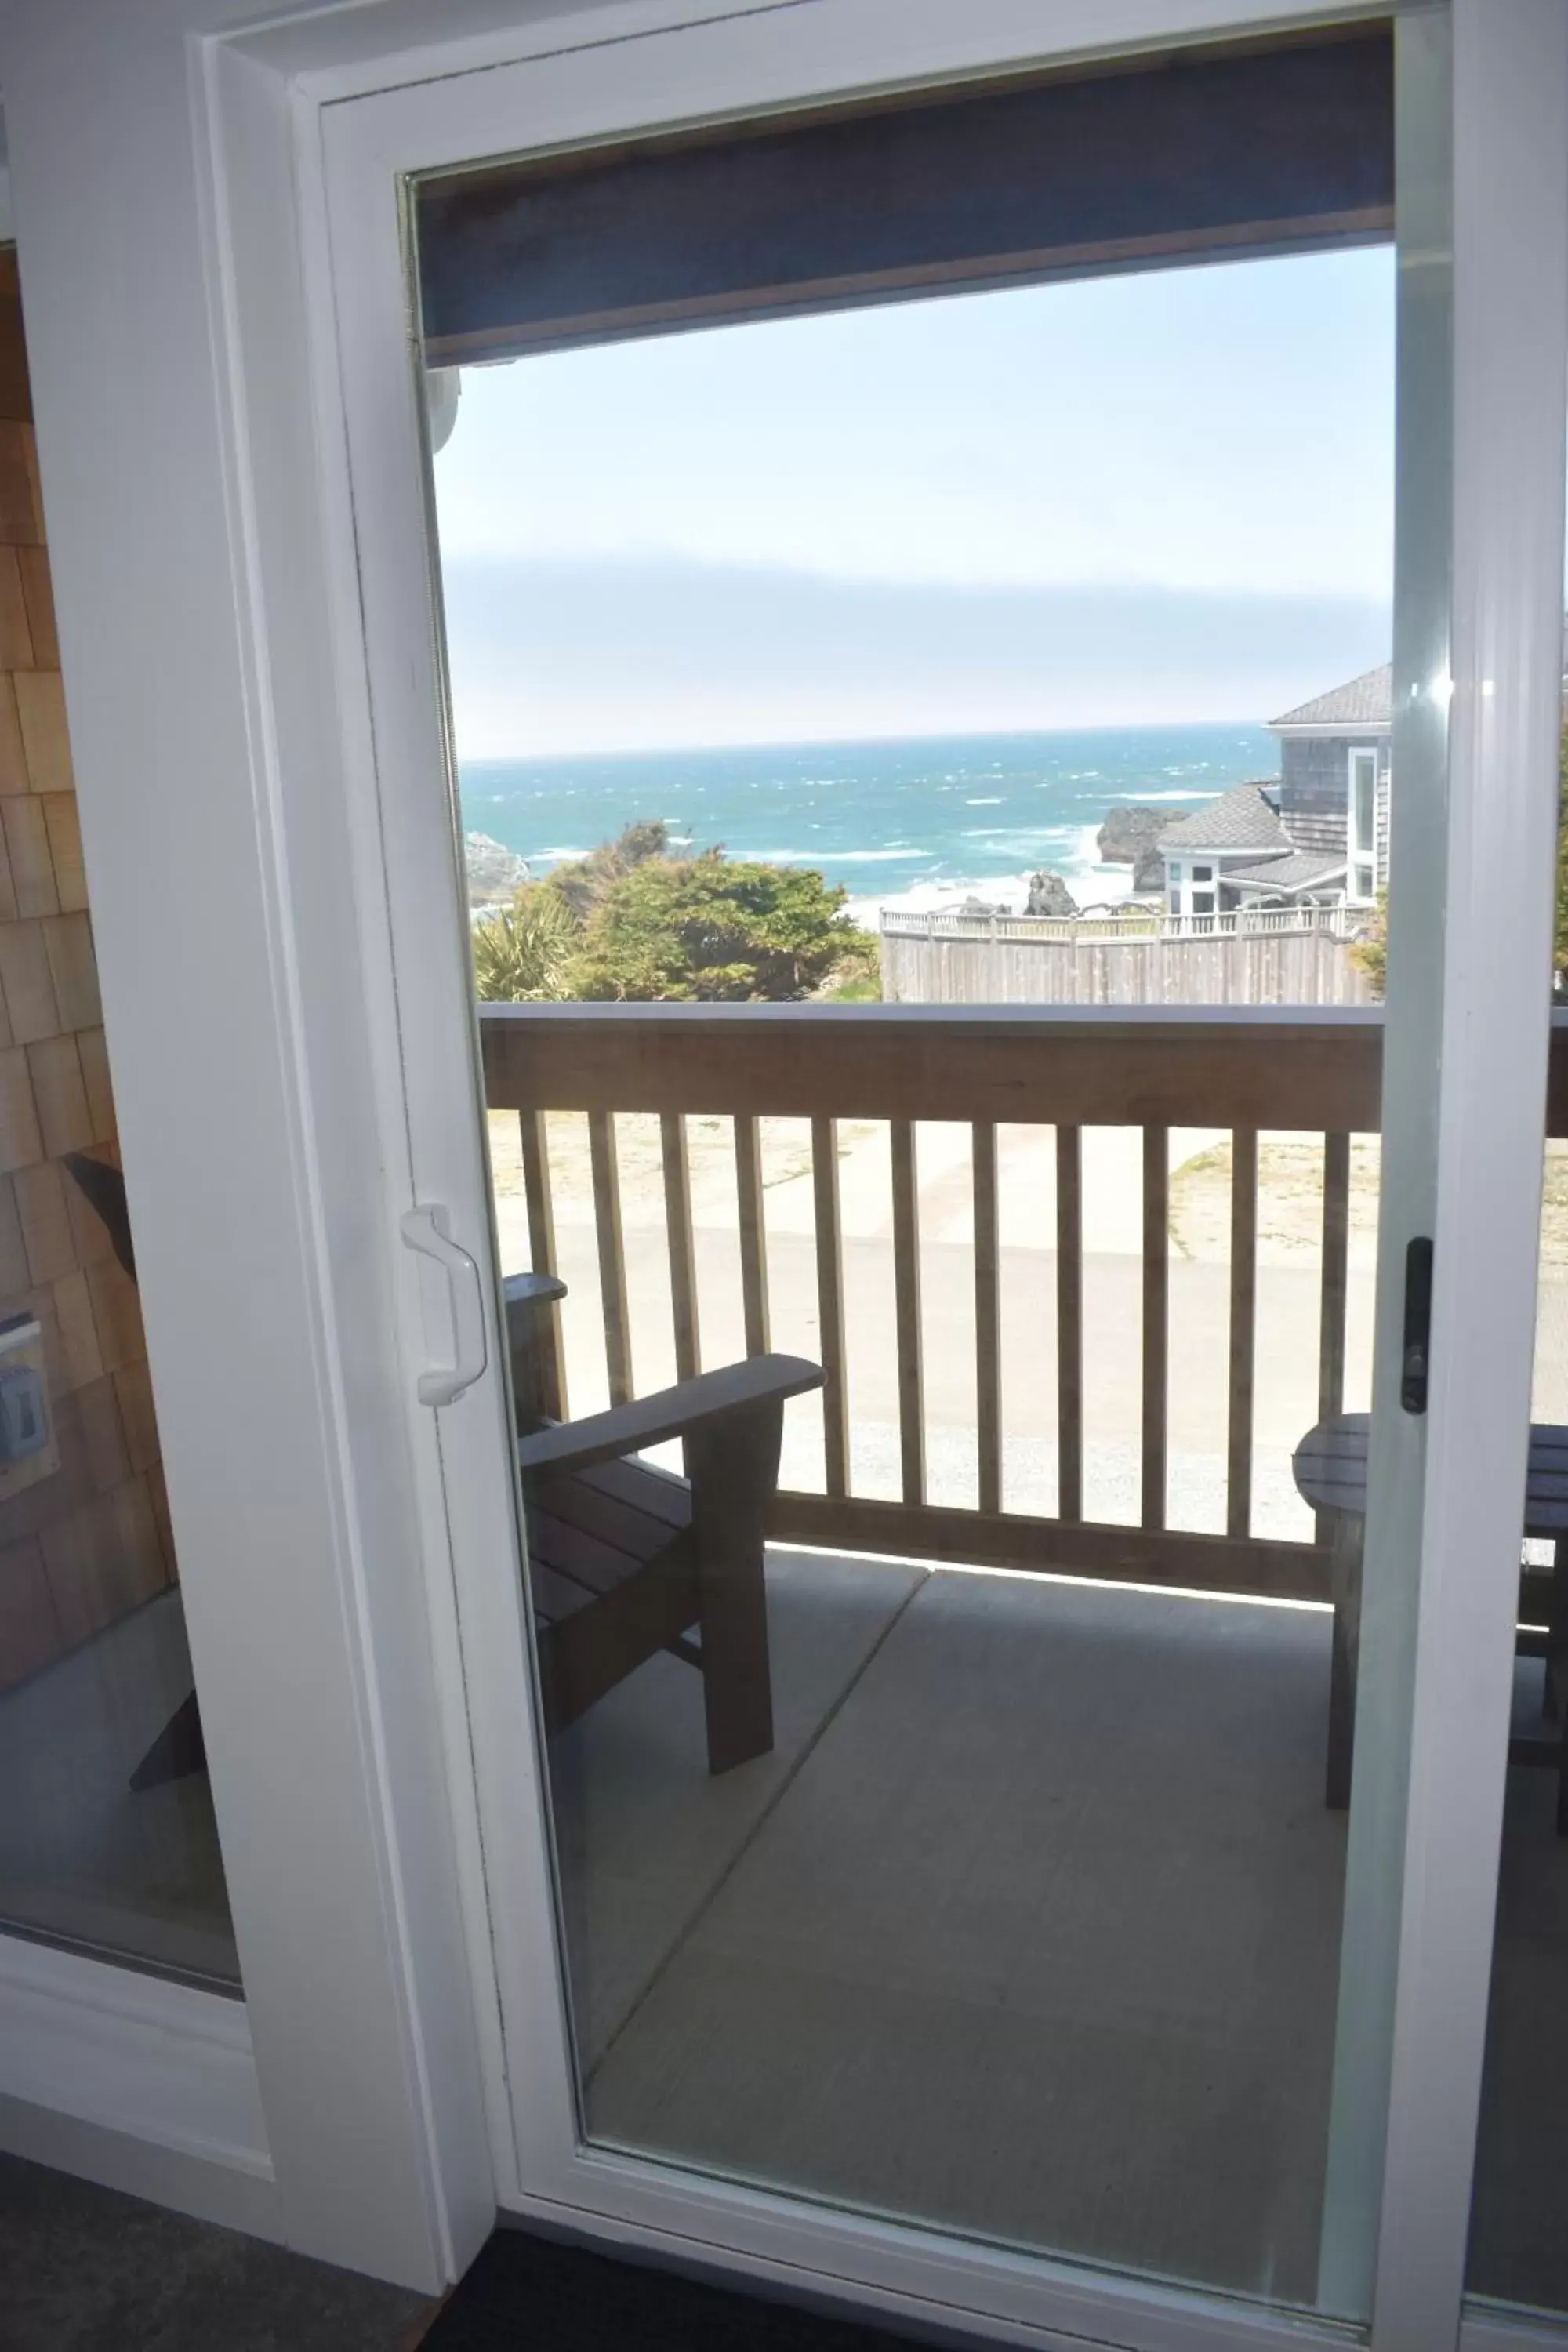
{"x": 107, "y": 1838}
{"x": 962, "y": 1854}
{"x": 1518, "y": 2252}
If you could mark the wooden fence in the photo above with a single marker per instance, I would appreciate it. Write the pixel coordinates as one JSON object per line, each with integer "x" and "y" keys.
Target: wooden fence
{"x": 1256, "y": 959}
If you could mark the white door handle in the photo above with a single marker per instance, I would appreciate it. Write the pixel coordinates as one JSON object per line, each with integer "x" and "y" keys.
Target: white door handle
{"x": 425, "y": 1230}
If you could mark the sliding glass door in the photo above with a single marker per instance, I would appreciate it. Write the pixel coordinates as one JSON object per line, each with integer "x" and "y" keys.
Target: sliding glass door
{"x": 941, "y": 1487}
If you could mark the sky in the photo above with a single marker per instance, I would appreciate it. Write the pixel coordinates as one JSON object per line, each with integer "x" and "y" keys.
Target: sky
{"x": 1156, "y": 497}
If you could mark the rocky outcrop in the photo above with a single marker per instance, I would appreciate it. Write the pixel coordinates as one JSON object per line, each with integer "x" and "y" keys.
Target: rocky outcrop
{"x": 1127, "y": 837}
{"x": 494, "y": 871}
{"x": 1050, "y": 894}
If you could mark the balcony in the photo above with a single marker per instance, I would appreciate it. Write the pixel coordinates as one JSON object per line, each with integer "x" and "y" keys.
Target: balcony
{"x": 1050, "y": 1648}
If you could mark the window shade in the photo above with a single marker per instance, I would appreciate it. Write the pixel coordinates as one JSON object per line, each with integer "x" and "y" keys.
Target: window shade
{"x": 1195, "y": 155}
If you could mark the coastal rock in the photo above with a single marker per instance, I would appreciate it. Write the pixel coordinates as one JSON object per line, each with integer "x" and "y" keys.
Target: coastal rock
{"x": 494, "y": 871}
{"x": 1050, "y": 894}
{"x": 1127, "y": 837}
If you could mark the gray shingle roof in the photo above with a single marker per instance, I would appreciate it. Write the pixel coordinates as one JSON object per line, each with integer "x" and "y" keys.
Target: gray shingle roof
{"x": 1239, "y": 819}
{"x": 1364, "y": 701}
{"x": 1297, "y": 872}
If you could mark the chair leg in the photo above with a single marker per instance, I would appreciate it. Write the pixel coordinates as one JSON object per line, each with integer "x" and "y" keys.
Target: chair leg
{"x": 1556, "y": 1677}
{"x": 733, "y": 1469}
{"x": 1557, "y": 1671}
{"x": 177, "y": 1752}
{"x": 1346, "y": 1585}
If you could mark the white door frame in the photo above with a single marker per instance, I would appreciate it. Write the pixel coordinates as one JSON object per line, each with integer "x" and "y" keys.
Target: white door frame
{"x": 317, "y": 1576}
{"x": 735, "y": 66}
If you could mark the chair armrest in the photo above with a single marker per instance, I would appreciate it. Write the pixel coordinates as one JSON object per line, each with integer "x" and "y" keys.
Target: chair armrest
{"x": 669, "y": 1412}
{"x": 525, "y": 1289}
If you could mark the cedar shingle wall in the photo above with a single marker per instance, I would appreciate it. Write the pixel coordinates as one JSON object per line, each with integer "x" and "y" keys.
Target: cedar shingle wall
{"x": 81, "y": 1548}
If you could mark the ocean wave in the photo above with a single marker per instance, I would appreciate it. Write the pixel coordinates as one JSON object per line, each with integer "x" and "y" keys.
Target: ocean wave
{"x": 1091, "y": 886}
{"x": 1132, "y": 800}
{"x": 836, "y": 856}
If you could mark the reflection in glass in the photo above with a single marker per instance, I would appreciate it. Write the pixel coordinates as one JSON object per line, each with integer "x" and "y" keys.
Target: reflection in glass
{"x": 107, "y": 1838}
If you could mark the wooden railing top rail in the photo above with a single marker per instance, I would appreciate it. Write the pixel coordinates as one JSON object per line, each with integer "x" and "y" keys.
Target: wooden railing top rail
{"x": 1316, "y": 1070}
{"x": 1094, "y": 1067}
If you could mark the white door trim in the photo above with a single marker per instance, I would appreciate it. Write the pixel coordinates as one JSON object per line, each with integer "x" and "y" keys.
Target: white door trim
{"x": 139, "y": 2082}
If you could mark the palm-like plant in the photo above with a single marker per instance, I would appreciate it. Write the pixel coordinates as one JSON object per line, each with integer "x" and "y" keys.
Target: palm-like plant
{"x": 524, "y": 954}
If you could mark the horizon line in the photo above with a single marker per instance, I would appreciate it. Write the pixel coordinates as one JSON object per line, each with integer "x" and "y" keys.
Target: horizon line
{"x": 835, "y": 742}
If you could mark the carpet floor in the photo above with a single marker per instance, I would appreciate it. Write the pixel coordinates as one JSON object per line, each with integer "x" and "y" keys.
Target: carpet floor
{"x": 553, "y": 2297}
{"x": 84, "y": 2269}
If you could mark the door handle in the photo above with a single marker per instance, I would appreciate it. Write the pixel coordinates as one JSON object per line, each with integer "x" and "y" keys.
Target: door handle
{"x": 1415, "y": 1364}
{"x": 425, "y": 1230}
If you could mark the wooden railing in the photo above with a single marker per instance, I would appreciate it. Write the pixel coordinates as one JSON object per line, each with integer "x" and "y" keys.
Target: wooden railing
{"x": 1244, "y": 1071}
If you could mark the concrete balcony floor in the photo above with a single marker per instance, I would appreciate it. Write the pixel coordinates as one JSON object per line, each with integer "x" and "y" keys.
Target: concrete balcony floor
{"x": 1029, "y": 1929}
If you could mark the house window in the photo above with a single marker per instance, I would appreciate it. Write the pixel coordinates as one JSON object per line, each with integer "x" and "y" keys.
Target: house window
{"x": 1203, "y": 900}
{"x": 1174, "y": 884}
{"x": 1361, "y": 820}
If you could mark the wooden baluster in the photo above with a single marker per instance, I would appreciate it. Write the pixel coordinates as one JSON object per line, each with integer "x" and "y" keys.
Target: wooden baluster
{"x": 541, "y": 1251}
{"x": 830, "y": 1303}
{"x": 1243, "y": 1327}
{"x": 987, "y": 1317}
{"x": 754, "y": 1233}
{"x": 1070, "y": 1324}
{"x": 682, "y": 1246}
{"x": 612, "y": 1253}
{"x": 907, "y": 1309}
{"x": 1336, "y": 1261}
{"x": 1156, "y": 1319}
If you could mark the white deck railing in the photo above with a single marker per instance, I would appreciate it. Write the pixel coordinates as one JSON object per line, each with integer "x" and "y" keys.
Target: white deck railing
{"x": 1136, "y": 923}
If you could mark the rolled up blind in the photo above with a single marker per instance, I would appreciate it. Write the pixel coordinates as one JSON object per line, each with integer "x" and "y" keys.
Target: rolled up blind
{"x": 1196, "y": 154}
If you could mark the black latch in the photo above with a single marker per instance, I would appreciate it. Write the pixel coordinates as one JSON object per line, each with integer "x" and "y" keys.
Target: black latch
{"x": 1417, "y": 1347}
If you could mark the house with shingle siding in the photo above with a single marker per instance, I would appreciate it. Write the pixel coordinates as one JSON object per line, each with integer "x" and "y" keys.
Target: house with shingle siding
{"x": 1317, "y": 834}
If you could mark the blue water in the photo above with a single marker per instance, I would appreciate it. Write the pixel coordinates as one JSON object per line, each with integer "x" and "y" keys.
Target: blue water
{"x": 915, "y": 821}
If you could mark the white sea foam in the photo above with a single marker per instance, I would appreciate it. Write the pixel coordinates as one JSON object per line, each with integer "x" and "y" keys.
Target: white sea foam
{"x": 1091, "y": 884}
{"x": 839, "y": 857}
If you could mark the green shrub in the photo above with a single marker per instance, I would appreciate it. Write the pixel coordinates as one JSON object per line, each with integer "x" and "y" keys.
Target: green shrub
{"x": 524, "y": 953}
{"x": 717, "y": 930}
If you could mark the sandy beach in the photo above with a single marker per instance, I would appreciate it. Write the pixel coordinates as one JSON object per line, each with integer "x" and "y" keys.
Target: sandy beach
{"x": 1289, "y": 1226}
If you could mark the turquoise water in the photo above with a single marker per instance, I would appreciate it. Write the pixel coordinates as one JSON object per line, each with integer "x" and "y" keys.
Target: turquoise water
{"x": 913, "y": 822}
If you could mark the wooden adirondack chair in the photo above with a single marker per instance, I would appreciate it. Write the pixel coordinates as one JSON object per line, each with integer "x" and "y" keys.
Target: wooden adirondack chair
{"x": 626, "y": 1560}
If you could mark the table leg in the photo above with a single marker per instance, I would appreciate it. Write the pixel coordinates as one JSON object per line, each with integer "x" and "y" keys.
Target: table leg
{"x": 1344, "y": 1585}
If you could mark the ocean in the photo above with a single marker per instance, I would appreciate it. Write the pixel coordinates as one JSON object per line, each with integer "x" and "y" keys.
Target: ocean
{"x": 919, "y": 821}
